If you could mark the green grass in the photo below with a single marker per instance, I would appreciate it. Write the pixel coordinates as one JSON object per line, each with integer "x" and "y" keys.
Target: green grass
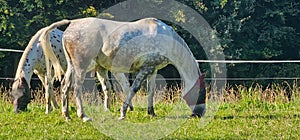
{"x": 246, "y": 113}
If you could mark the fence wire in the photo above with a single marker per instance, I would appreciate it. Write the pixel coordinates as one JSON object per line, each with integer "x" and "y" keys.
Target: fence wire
{"x": 206, "y": 61}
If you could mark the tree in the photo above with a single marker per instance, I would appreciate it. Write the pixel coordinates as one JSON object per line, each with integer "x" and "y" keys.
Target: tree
{"x": 20, "y": 20}
{"x": 248, "y": 29}
{"x": 255, "y": 30}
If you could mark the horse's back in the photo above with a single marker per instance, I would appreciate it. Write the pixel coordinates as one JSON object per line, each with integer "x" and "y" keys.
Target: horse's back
{"x": 109, "y": 40}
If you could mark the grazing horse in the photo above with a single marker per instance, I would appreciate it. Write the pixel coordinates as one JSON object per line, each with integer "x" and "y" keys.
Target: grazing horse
{"x": 33, "y": 61}
{"x": 143, "y": 46}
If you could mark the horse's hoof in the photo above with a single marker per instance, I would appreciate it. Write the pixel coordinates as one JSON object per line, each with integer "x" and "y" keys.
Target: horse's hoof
{"x": 130, "y": 108}
{"x": 151, "y": 111}
{"x": 153, "y": 115}
{"x": 86, "y": 119}
{"x": 48, "y": 111}
{"x": 195, "y": 115}
{"x": 123, "y": 111}
{"x": 122, "y": 118}
{"x": 68, "y": 119}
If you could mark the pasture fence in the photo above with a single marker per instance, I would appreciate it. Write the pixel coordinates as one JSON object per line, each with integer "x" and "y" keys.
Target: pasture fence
{"x": 205, "y": 61}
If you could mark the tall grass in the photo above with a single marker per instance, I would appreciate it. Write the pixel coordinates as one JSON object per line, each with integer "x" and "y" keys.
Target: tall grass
{"x": 275, "y": 98}
{"x": 271, "y": 112}
{"x": 256, "y": 94}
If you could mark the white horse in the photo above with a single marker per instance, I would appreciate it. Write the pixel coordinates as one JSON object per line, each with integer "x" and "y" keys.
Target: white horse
{"x": 143, "y": 46}
{"x": 33, "y": 61}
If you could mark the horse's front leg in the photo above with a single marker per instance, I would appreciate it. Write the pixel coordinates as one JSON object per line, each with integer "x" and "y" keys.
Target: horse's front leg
{"x": 48, "y": 87}
{"x": 122, "y": 80}
{"x": 106, "y": 87}
{"x": 151, "y": 86}
{"x": 136, "y": 85}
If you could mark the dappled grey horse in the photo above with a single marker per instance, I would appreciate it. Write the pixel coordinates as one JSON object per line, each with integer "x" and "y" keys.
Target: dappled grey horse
{"x": 33, "y": 61}
{"x": 143, "y": 46}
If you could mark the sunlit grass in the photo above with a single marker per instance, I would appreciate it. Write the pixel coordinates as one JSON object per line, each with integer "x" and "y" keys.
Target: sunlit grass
{"x": 244, "y": 113}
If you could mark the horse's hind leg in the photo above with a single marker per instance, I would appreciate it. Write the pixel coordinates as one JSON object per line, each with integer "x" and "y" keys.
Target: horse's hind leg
{"x": 53, "y": 100}
{"x": 151, "y": 91}
{"x": 66, "y": 85}
{"x": 49, "y": 94}
{"x": 79, "y": 76}
{"x": 50, "y": 97}
{"x": 136, "y": 85}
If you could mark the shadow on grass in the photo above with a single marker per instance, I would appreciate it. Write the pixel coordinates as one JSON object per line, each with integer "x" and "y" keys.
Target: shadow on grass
{"x": 270, "y": 116}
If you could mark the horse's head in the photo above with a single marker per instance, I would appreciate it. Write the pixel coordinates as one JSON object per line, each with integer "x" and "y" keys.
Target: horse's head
{"x": 20, "y": 94}
{"x": 196, "y": 97}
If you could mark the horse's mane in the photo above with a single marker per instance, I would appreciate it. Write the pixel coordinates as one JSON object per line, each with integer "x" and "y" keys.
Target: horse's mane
{"x": 25, "y": 54}
{"x": 185, "y": 58}
{"x": 190, "y": 56}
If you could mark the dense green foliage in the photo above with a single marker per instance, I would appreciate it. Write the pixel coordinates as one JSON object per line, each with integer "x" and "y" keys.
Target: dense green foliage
{"x": 248, "y": 29}
{"x": 256, "y": 30}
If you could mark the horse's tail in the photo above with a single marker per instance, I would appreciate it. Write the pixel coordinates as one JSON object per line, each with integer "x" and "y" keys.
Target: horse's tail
{"x": 48, "y": 51}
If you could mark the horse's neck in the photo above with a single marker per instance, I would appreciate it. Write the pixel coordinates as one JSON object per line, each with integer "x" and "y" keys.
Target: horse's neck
{"x": 29, "y": 62}
{"x": 189, "y": 73}
{"x": 184, "y": 61}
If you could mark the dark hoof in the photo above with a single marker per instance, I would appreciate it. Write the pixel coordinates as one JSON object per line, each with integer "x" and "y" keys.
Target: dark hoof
{"x": 151, "y": 111}
{"x": 130, "y": 108}
{"x": 195, "y": 115}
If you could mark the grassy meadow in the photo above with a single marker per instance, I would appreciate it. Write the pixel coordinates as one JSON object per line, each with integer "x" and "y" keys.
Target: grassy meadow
{"x": 244, "y": 113}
